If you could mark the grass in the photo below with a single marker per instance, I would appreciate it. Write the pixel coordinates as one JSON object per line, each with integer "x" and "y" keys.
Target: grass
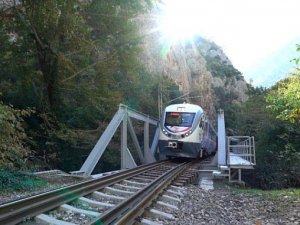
{"x": 272, "y": 194}
{"x": 15, "y": 180}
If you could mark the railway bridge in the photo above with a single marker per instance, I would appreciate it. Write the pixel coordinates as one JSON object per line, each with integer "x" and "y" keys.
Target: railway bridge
{"x": 234, "y": 152}
{"x": 147, "y": 194}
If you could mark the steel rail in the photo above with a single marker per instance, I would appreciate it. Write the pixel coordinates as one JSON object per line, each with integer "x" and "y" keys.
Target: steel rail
{"x": 15, "y": 212}
{"x": 128, "y": 210}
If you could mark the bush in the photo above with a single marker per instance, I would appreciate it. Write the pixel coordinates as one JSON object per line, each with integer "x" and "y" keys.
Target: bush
{"x": 12, "y": 136}
{"x": 15, "y": 180}
{"x": 276, "y": 142}
{"x": 277, "y": 156}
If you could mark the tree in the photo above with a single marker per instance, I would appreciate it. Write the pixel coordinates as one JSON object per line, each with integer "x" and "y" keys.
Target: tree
{"x": 276, "y": 143}
{"x": 285, "y": 99}
{"x": 74, "y": 62}
{"x": 55, "y": 28}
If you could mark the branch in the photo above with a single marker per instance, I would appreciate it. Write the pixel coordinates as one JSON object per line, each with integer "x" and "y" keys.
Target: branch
{"x": 32, "y": 28}
{"x": 79, "y": 72}
{"x": 82, "y": 70}
{"x": 36, "y": 37}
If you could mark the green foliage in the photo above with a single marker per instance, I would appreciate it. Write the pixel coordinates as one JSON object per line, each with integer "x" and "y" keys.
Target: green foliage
{"x": 226, "y": 101}
{"x": 12, "y": 136}
{"x": 111, "y": 159}
{"x": 164, "y": 88}
{"x": 54, "y": 144}
{"x": 271, "y": 194}
{"x": 14, "y": 180}
{"x": 277, "y": 146}
{"x": 277, "y": 157}
{"x": 45, "y": 32}
{"x": 285, "y": 99}
{"x": 252, "y": 115}
{"x": 74, "y": 62}
{"x": 142, "y": 95}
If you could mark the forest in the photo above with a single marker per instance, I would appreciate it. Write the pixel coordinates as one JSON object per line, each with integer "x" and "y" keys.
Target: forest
{"x": 65, "y": 66}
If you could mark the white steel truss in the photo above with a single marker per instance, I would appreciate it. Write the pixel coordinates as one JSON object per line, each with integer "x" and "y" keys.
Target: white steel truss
{"x": 123, "y": 117}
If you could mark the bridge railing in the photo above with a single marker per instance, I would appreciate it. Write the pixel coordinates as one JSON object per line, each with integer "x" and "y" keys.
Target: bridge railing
{"x": 241, "y": 151}
{"x": 123, "y": 118}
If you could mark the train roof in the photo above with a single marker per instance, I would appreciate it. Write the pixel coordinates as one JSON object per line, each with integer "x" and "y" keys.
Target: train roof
{"x": 184, "y": 107}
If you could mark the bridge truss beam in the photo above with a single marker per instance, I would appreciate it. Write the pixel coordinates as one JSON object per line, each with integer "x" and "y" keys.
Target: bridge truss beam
{"x": 123, "y": 117}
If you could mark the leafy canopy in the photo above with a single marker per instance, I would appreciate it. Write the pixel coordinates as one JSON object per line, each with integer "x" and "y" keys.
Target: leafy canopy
{"x": 73, "y": 62}
{"x": 285, "y": 99}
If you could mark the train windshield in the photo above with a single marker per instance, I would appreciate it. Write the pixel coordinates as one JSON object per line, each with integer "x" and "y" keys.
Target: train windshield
{"x": 179, "y": 119}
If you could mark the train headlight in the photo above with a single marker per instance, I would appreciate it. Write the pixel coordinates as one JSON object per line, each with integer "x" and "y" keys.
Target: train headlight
{"x": 165, "y": 132}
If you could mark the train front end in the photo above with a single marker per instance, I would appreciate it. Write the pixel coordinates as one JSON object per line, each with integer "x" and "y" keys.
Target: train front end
{"x": 179, "y": 131}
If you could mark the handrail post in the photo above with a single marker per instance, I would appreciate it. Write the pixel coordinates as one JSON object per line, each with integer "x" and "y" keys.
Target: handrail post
{"x": 221, "y": 139}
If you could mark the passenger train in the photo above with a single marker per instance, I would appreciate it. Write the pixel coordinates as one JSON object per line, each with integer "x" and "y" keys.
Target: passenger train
{"x": 186, "y": 132}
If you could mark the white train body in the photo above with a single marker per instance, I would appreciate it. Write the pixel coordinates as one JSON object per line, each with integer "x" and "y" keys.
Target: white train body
{"x": 185, "y": 132}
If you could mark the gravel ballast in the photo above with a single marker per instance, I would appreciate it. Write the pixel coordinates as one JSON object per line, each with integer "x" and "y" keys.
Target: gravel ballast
{"x": 220, "y": 206}
{"x": 224, "y": 206}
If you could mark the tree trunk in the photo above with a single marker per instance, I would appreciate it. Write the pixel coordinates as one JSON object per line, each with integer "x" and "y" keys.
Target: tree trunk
{"x": 48, "y": 61}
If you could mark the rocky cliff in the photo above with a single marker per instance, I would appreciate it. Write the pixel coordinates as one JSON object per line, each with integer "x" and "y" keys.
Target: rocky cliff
{"x": 199, "y": 67}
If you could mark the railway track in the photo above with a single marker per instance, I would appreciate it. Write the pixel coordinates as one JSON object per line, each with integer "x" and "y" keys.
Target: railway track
{"x": 121, "y": 198}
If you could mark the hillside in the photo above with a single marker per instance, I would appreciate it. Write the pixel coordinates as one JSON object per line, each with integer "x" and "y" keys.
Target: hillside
{"x": 200, "y": 68}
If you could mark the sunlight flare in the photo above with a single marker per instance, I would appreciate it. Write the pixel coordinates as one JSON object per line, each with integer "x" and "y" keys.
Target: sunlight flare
{"x": 181, "y": 19}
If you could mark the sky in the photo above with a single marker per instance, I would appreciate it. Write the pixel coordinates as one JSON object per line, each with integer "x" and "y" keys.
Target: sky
{"x": 247, "y": 30}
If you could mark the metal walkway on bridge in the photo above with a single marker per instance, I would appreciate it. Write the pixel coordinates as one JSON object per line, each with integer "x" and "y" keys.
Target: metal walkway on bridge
{"x": 234, "y": 153}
